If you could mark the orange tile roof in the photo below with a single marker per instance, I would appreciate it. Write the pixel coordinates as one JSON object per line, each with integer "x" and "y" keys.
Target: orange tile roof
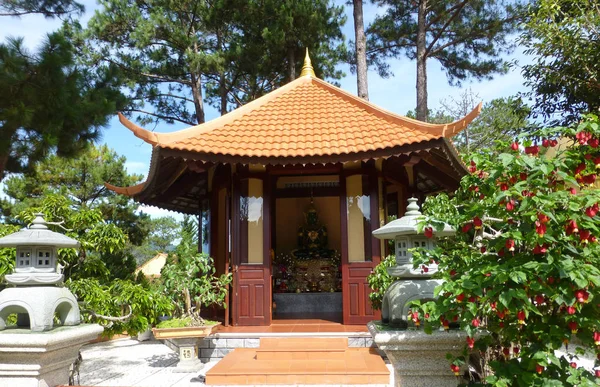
{"x": 307, "y": 117}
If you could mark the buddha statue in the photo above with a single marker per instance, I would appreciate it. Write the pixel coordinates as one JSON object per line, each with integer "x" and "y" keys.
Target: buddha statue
{"x": 312, "y": 237}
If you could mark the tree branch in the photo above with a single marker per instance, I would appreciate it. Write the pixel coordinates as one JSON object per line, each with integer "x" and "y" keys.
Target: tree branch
{"x": 161, "y": 116}
{"x": 457, "y": 9}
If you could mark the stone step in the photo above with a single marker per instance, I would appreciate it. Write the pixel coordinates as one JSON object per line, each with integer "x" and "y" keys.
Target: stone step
{"x": 283, "y": 361}
{"x": 300, "y": 354}
{"x": 303, "y": 343}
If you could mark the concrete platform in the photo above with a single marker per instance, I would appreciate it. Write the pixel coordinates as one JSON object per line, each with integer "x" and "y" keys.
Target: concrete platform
{"x": 127, "y": 362}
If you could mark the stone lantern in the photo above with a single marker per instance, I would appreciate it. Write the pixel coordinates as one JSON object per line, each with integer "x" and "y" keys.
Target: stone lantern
{"x": 419, "y": 359}
{"x": 33, "y": 353}
{"x": 411, "y": 284}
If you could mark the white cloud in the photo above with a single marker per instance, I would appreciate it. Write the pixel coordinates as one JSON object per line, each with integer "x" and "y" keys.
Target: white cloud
{"x": 156, "y": 212}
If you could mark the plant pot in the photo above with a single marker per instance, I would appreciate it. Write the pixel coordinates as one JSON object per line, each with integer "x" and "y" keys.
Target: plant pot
{"x": 186, "y": 339}
{"x": 184, "y": 332}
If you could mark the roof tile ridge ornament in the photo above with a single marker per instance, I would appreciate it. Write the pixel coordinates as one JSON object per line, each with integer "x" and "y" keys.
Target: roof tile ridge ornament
{"x": 307, "y": 68}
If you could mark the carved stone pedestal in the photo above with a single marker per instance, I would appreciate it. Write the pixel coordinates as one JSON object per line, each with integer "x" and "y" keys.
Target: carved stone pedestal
{"x": 419, "y": 359}
{"x": 43, "y": 359}
{"x": 188, "y": 355}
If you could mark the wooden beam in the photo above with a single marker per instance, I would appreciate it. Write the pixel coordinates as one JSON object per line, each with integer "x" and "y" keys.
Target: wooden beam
{"x": 433, "y": 173}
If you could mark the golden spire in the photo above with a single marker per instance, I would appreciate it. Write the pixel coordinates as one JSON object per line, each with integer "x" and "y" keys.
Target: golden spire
{"x": 307, "y": 68}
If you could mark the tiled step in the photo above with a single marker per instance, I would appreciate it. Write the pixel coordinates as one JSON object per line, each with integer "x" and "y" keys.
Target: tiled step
{"x": 303, "y": 343}
{"x": 291, "y": 361}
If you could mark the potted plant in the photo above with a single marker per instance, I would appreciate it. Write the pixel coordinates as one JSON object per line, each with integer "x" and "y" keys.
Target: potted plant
{"x": 189, "y": 279}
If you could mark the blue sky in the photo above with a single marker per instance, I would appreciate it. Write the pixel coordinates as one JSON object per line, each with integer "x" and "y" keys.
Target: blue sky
{"x": 396, "y": 94}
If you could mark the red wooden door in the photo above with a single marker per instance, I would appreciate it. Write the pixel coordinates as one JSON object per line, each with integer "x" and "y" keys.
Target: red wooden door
{"x": 357, "y": 308}
{"x": 252, "y": 271}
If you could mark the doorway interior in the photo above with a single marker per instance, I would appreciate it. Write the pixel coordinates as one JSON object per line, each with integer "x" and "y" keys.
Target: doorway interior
{"x": 306, "y": 255}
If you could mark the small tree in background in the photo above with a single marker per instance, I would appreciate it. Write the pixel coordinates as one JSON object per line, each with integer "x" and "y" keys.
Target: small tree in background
{"x": 522, "y": 276}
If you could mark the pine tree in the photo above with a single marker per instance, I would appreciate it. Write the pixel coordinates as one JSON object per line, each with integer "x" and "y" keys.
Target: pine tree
{"x": 466, "y": 37}
{"x": 177, "y": 55}
{"x": 49, "y": 103}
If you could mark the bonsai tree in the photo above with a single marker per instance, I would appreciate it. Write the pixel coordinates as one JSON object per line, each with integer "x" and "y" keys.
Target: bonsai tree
{"x": 522, "y": 276}
{"x": 189, "y": 279}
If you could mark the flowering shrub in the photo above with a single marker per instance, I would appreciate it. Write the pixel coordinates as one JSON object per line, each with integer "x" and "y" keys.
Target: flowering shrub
{"x": 522, "y": 275}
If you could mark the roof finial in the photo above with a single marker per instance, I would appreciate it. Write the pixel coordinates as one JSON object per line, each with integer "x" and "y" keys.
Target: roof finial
{"x": 307, "y": 68}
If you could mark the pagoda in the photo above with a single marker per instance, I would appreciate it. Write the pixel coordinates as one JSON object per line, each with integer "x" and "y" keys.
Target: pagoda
{"x": 251, "y": 174}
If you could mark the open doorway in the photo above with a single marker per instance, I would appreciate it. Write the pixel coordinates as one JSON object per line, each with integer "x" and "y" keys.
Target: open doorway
{"x": 306, "y": 239}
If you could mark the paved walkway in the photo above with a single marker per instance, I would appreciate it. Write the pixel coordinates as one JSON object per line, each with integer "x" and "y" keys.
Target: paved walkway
{"x": 127, "y": 362}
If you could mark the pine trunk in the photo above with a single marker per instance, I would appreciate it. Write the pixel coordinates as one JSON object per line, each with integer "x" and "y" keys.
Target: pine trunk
{"x": 223, "y": 93}
{"x": 291, "y": 57}
{"x": 197, "y": 96}
{"x": 421, "y": 62}
{"x": 361, "y": 50}
{"x": 3, "y": 162}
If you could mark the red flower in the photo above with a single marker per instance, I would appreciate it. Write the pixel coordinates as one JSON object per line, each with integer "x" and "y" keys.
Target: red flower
{"x": 592, "y": 211}
{"x": 482, "y": 249}
{"x": 540, "y": 228}
{"x": 428, "y": 231}
{"x": 506, "y": 351}
{"x": 455, "y": 369}
{"x": 573, "y": 364}
{"x": 580, "y": 168}
{"x": 510, "y": 245}
{"x": 545, "y": 143}
{"x": 493, "y": 305}
{"x": 477, "y": 222}
{"x": 539, "y": 299}
{"x": 553, "y": 142}
{"x": 523, "y": 176}
{"x": 466, "y": 227}
{"x": 503, "y": 187}
{"x": 514, "y": 146}
{"x": 589, "y": 179}
{"x": 510, "y": 205}
{"x": 571, "y": 227}
{"x": 597, "y": 161}
{"x": 594, "y": 143}
{"x": 597, "y": 373}
{"x": 460, "y": 297}
{"x": 573, "y": 191}
{"x": 501, "y": 314}
{"x": 532, "y": 150}
{"x": 425, "y": 268}
{"x": 584, "y": 236}
{"x": 516, "y": 350}
{"x": 470, "y": 342}
{"x": 475, "y": 322}
{"x": 543, "y": 218}
{"x": 452, "y": 272}
{"x": 543, "y": 249}
{"x": 571, "y": 310}
{"x": 473, "y": 167}
{"x": 597, "y": 338}
{"x": 573, "y": 326}
{"x": 582, "y": 295}
{"x": 539, "y": 369}
{"x": 521, "y": 317}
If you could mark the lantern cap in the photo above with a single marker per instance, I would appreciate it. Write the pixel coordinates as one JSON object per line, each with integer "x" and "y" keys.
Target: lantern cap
{"x": 38, "y": 234}
{"x": 407, "y": 225}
